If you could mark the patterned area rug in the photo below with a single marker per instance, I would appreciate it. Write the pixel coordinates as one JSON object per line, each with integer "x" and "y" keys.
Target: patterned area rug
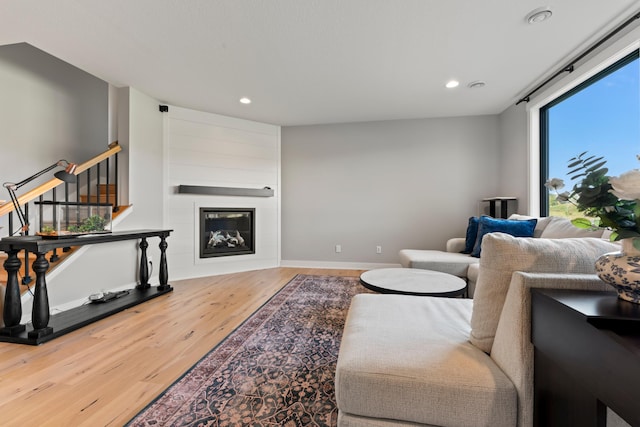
{"x": 276, "y": 369}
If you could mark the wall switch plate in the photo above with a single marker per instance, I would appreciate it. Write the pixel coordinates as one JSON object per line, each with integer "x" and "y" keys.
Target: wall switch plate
{"x": 378, "y": 249}
{"x": 338, "y": 249}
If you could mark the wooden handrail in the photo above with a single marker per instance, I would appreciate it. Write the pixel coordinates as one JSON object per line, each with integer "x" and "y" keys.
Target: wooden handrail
{"x": 31, "y": 195}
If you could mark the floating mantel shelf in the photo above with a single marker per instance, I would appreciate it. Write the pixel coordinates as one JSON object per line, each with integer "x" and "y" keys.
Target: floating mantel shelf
{"x": 225, "y": 191}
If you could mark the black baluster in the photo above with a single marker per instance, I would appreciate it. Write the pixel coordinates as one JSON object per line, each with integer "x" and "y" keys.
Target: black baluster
{"x": 66, "y": 213}
{"x": 54, "y": 256}
{"x": 164, "y": 272}
{"x": 116, "y": 179}
{"x": 26, "y": 219}
{"x": 89, "y": 185}
{"x": 12, "y": 303}
{"x": 40, "y": 313}
{"x": 108, "y": 198}
{"x": 144, "y": 266}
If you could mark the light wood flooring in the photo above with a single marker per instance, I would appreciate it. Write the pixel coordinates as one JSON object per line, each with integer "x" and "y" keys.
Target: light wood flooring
{"x": 105, "y": 373}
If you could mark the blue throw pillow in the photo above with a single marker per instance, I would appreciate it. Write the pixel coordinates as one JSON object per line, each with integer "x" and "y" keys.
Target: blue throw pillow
{"x": 517, "y": 228}
{"x": 472, "y": 233}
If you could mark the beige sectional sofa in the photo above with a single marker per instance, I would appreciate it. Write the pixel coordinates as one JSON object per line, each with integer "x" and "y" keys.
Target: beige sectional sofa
{"x": 409, "y": 360}
{"x": 454, "y": 262}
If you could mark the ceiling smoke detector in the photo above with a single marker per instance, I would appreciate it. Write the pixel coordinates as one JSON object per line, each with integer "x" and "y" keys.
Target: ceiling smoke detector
{"x": 538, "y": 15}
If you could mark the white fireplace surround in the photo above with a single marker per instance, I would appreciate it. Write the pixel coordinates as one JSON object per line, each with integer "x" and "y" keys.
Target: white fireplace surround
{"x": 212, "y": 151}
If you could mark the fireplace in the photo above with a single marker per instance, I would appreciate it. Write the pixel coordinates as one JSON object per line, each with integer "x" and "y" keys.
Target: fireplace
{"x": 227, "y": 231}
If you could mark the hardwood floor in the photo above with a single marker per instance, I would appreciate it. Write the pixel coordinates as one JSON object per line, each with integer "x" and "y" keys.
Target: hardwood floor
{"x": 105, "y": 373}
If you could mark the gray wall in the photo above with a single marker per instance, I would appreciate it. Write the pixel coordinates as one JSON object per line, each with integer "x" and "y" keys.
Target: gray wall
{"x": 397, "y": 184}
{"x": 514, "y": 156}
{"x": 49, "y": 110}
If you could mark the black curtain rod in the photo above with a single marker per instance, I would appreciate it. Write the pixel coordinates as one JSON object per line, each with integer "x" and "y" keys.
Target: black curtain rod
{"x": 570, "y": 67}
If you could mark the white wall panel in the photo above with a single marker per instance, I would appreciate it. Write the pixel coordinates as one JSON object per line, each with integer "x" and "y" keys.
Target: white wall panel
{"x": 212, "y": 150}
{"x": 225, "y": 147}
{"x": 223, "y": 162}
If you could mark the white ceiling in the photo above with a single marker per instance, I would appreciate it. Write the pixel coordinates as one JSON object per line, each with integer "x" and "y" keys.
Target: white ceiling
{"x": 316, "y": 61}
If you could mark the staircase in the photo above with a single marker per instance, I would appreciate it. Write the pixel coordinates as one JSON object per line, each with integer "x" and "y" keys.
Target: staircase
{"x": 92, "y": 186}
{"x": 106, "y": 194}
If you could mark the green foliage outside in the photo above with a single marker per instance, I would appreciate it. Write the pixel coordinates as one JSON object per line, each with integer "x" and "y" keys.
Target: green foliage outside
{"x": 568, "y": 210}
{"x": 565, "y": 210}
{"x": 612, "y": 201}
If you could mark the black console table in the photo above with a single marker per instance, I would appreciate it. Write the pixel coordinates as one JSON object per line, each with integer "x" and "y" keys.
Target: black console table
{"x": 587, "y": 358}
{"x": 45, "y": 327}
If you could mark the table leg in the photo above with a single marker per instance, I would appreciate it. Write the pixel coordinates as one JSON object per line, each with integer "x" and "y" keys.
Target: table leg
{"x": 504, "y": 211}
{"x": 492, "y": 208}
{"x": 144, "y": 265}
{"x": 40, "y": 314}
{"x": 164, "y": 272}
{"x": 12, "y": 303}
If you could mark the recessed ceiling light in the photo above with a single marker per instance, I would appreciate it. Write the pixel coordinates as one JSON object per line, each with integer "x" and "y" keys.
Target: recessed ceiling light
{"x": 245, "y": 100}
{"x": 476, "y": 85}
{"x": 452, "y": 83}
{"x": 538, "y": 15}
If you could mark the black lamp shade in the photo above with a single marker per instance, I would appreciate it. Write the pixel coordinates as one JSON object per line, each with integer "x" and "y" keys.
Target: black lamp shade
{"x": 67, "y": 174}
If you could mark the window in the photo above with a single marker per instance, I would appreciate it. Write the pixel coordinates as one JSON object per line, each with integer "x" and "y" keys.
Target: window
{"x": 600, "y": 116}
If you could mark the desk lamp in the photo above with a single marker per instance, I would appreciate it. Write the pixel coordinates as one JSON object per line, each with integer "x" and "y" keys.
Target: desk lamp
{"x": 65, "y": 175}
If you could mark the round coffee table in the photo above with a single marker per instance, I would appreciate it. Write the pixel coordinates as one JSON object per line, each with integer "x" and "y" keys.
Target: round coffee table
{"x": 413, "y": 281}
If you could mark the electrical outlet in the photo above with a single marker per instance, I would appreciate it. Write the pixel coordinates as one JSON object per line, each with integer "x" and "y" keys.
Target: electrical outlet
{"x": 338, "y": 249}
{"x": 378, "y": 249}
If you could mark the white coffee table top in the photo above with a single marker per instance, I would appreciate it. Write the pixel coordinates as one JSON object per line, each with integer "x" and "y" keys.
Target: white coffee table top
{"x": 413, "y": 281}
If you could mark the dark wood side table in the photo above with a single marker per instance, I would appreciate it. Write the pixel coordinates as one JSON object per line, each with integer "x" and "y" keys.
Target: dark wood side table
{"x": 504, "y": 205}
{"x": 45, "y": 327}
{"x": 587, "y": 358}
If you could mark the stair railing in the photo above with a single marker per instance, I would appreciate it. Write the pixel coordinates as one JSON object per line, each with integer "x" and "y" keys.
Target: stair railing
{"x": 89, "y": 175}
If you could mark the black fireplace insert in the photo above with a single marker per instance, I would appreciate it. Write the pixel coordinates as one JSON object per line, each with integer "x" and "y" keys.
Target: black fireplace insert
{"x": 227, "y": 231}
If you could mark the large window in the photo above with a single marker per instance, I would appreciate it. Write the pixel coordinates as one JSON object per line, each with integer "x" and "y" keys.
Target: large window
{"x": 600, "y": 116}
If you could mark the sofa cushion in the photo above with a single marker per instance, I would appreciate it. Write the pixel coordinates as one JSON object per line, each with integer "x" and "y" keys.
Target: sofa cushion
{"x": 540, "y": 225}
{"x": 446, "y": 262}
{"x": 518, "y": 228}
{"x": 559, "y": 228}
{"x": 503, "y": 254}
{"x": 455, "y": 244}
{"x": 472, "y": 278}
{"x": 471, "y": 235}
{"x": 409, "y": 358}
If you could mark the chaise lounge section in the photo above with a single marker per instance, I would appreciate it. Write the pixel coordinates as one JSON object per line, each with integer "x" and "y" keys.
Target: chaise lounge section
{"x": 454, "y": 261}
{"x": 408, "y": 360}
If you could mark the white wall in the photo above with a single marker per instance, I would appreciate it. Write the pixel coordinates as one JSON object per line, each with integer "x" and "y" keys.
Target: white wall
{"x": 211, "y": 150}
{"x": 115, "y": 265}
{"x": 397, "y": 184}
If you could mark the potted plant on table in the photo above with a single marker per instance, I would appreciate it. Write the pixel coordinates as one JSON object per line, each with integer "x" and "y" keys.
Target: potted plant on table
{"x": 613, "y": 203}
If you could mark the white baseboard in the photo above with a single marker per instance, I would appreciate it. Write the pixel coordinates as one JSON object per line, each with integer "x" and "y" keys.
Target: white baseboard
{"x": 337, "y": 265}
